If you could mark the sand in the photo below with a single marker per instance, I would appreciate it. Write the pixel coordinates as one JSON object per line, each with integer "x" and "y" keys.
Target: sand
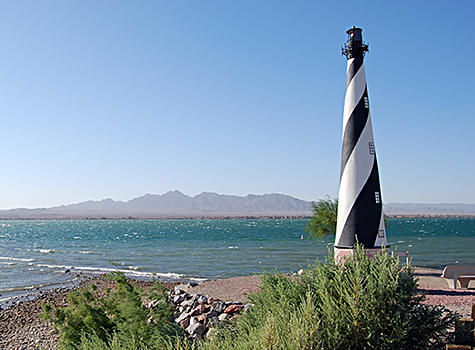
{"x": 431, "y": 284}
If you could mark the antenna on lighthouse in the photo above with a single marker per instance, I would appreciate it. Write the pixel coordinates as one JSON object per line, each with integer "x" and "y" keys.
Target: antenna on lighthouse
{"x": 360, "y": 208}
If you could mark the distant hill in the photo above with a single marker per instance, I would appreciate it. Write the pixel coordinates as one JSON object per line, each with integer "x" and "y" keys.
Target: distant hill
{"x": 172, "y": 204}
{"x": 175, "y": 204}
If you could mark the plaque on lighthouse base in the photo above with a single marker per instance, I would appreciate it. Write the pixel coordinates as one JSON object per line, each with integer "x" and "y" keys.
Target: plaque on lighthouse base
{"x": 341, "y": 254}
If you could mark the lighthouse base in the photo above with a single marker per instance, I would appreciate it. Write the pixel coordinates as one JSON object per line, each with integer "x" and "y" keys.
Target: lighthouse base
{"x": 341, "y": 254}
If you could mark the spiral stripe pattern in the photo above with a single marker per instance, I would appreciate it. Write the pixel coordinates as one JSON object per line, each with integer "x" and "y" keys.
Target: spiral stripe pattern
{"x": 360, "y": 209}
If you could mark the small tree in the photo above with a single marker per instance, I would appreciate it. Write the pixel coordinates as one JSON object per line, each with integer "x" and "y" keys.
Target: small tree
{"x": 323, "y": 221}
{"x": 95, "y": 318}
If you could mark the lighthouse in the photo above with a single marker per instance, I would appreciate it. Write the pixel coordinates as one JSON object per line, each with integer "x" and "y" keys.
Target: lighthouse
{"x": 360, "y": 206}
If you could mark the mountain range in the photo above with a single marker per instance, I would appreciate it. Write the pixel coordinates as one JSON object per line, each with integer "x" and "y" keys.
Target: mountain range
{"x": 175, "y": 204}
{"x": 172, "y": 204}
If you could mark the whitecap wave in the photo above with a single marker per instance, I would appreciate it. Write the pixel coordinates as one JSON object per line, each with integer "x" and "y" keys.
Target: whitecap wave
{"x": 45, "y": 251}
{"x": 132, "y": 272}
{"x": 233, "y": 247}
{"x": 15, "y": 259}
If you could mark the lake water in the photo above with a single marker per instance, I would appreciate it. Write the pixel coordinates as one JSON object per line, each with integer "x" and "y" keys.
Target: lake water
{"x": 37, "y": 253}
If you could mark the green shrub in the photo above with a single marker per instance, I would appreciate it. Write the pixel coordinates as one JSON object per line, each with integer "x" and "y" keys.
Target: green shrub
{"x": 123, "y": 341}
{"x": 98, "y": 318}
{"x": 323, "y": 221}
{"x": 367, "y": 304}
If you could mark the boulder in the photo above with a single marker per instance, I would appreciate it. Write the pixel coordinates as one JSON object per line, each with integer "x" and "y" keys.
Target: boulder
{"x": 218, "y": 306}
{"x": 195, "y": 328}
{"x": 187, "y": 303}
{"x": 182, "y": 317}
{"x": 198, "y": 310}
{"x": 222, "y": 317}
{"x": 202, "y": 299}
{"x": 197, "y": 313}
{"x": 193, "y": 320}
{"x": 202, "y": 318}
{"x": 178, "y": 299}
{"x": 211, "y": 314}
{"x": 232, "y": 309}
{"x": 184, "y": 323}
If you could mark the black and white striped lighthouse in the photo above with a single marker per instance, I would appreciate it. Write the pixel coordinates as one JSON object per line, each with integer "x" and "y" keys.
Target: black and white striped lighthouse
{"x": 360, "y": 207}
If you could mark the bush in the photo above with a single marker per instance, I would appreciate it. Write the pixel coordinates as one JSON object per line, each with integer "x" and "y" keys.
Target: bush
{"x": 367, "y": 304}
{"x": 323, "y": 221}
{"x": 95, "y": 318}
{"x": 122, "y": 341}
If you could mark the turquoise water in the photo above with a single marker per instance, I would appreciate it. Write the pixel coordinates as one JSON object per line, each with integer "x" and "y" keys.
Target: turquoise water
{"x": 38, "y": 252}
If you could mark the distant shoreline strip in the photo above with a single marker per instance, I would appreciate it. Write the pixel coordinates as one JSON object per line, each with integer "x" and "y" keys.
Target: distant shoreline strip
{"x": 229, "y": 217}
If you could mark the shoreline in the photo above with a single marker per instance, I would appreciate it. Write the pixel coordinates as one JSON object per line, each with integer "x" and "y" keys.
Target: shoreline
{"x": 16, "y": 296}
{"x": 222, "y": 217}
{"x": 13, "y": 296}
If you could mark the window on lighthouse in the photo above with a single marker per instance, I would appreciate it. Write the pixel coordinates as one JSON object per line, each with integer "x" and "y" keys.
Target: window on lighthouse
{"x": 366, "y": 102}
{"x": 377, "y": 197}
{"x": 371, "y": 148}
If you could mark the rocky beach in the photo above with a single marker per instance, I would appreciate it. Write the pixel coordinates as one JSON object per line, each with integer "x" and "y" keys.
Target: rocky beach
{"x": 21, "y": 327}
{"x": 197, "y": 306}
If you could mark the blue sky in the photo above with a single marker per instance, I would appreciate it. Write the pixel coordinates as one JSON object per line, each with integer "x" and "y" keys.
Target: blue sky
{"x": 119, "y": 98}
